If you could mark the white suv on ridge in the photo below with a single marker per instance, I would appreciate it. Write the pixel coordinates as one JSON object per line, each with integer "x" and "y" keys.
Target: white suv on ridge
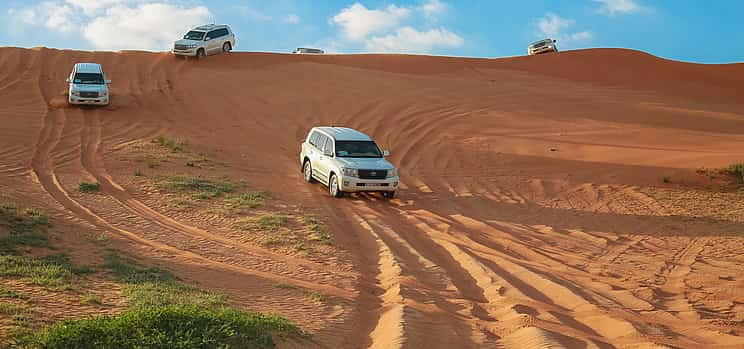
{"x": 205, "y": 40}
{"x": 347, "y": 160}
{"x": 87, "y": 85}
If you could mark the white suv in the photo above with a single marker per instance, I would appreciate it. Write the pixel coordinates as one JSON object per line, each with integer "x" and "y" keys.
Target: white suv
{"x": 88, "y": 85}
{"x": 347, "y": 160}
{"x": 205, "y": 40}
{"x": 542, "y": 46}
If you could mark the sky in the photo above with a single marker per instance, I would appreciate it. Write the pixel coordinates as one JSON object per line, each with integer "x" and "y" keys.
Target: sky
{"x": 686, "y": 30}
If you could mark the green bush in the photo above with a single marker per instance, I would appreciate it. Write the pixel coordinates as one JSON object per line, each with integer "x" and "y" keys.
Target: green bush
{"x": 174, "y": 144}
{"x": 737, "y": 170}
{"x": 47, "y": 273}
{"x": 202, "y": 188}
{"x": 167, "y": 327}
{"x": 251, "y": 200}
{"x": 23, "y": 230}
{"x": 85, "y": 187}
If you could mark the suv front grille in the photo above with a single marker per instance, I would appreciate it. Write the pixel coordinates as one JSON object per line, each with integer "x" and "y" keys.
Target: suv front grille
{"x": 89, "y": 94}
{"x": 181, "y": 47}
{"x": 539, "y": 44}
{"x": 372, "y": 174}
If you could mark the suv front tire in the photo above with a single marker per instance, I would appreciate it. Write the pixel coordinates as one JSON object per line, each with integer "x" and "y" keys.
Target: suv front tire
{"x": 333, "y": 187}
{"x": 307, "y": 172}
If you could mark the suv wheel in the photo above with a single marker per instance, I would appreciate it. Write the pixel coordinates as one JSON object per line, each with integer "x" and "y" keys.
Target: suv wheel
{"x": 226, "y": 47}
{"x": 388, "y": 194}
{"x": 333, "y": 187}
{"x": 200, "y": 53}
{"x": 307, "y": 171}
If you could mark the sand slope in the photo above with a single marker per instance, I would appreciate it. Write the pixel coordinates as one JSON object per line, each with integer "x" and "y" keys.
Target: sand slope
{"x": 533, "y": 213}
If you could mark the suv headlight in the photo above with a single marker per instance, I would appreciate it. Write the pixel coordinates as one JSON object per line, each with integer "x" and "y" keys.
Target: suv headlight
{"x": 102, "y": 93}
{"x": 392, "y": 173}
{"x": 192, "y": 46}
{"x": 350, "y": 172}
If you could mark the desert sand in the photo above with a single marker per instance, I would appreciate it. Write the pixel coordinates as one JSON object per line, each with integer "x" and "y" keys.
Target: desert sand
{"x": 533, "y": 212}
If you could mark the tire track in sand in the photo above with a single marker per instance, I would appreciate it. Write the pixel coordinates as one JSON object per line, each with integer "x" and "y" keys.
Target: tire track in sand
{"x": 93, "y": 162}
{"x": 44, "y": 174}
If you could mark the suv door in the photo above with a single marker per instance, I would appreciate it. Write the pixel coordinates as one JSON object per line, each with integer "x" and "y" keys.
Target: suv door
{"x": 214, "y": 43}
{"x": 320, "y": 165}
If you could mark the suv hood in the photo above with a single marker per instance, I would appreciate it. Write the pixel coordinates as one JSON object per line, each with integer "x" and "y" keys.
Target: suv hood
{"x": 366, "y": 163}
{"x": 188, "y": 42}
{"x": 89, "y": 88}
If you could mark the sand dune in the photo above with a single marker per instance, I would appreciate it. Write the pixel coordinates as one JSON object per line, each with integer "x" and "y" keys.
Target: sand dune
{"x": 533, "y": 213}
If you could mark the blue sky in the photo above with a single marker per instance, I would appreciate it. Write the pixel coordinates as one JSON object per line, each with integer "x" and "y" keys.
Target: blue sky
{"x": 688, "y": 30}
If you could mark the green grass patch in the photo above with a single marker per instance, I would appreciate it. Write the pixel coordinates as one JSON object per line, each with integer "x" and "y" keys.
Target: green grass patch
{"x": 99, "y": 239}
{"x": 27, "y": 229}
{"x": 150, "y": 286}
{"x": 286, "y": 286}
{"x": 46, "y": 273}
{"x": 316, "y": 296}
{"x": 175, "y": 145}
{"x": 167, "y": 327}
{"x": 666, "y": 179}
{"x": 272, "y": 222}
{"x": 737, "y": 170}
{"x": 138, "y": 173}
{"x": 250, "y": 200}
{"x": 11, "y": 309}
{"x": 8, "y": 293}
{"x": 198, "y": 187}
{"x": 91, "y": 299}
{"x": 88, "y": 187}
{"x": 318, "y": 232}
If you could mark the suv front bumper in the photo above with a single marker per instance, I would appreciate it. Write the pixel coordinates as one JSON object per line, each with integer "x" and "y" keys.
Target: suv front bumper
{"x": 103, "y": 100}
{"x": 188, "y": 52}
{"x": 354, "y": 184}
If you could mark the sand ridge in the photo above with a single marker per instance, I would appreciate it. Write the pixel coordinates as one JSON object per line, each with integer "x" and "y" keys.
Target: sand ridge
{"x": 533, "y": 211}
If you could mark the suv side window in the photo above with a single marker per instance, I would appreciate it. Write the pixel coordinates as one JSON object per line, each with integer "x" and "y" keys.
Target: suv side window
{"x": 328, "y": 147}
{"x": 313, "y": 138}
{"x": 213, "y": 34}
{"x": 224, "y": 32}
{"x": 321, "y": 141}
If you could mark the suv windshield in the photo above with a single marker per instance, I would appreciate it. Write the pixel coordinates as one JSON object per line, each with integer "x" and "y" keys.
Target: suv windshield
{"x": 357, "y": 149}
{"x": 88, "y": 78}
{"x": 194, "y": 35}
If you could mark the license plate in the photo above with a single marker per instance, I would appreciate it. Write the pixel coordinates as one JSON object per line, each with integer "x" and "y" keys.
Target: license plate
{"x": 372, "y": 184}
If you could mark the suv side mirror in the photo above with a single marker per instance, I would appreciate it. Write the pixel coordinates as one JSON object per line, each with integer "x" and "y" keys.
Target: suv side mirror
{"x": 108, "y": 82}
{"x": 553, "y": 40}
{"x": 207, "y": 38}
{"x": 328, "y": 153}
{"x": 385, "y": 153}
{"x": 68, "y": 80}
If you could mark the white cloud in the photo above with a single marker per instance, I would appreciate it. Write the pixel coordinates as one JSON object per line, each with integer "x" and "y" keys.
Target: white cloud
{"x": 612, "y": 7}
{"x": 433, "y": 8}
{"x": 93, "y": 7}
{"x": 292, "y": 19}
{"x": 117, "y": 24}
{"x": 150, "y": 26}
{"x": 357, "y": 21}
{"x": 52, "y": 15}
{"x": 554, "y": 26}
{"x": 407, "y": 39}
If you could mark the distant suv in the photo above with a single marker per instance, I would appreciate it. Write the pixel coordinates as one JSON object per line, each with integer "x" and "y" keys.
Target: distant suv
{"x": 88, "y": 85}
{"x": 205, "y": 40}
{"x": 347, "y": 160}
{"x": 542, "y": 46}
{"x": 305, "y": 50}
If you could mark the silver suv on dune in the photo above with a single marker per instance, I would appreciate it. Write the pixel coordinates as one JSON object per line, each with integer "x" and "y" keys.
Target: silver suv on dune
{"x": 542, "y": 46}
{"x": 347, "y": 160}
{"x": 87, "y": 84}
{"x": 205, "y": 40}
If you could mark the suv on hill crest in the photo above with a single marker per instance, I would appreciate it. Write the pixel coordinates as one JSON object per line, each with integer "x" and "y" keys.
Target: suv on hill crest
{"x": 205, "y": 40}
{"x": 87, "y": 85}
{"x": 347, "y": 160}
{"x": 542, "y": 46}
